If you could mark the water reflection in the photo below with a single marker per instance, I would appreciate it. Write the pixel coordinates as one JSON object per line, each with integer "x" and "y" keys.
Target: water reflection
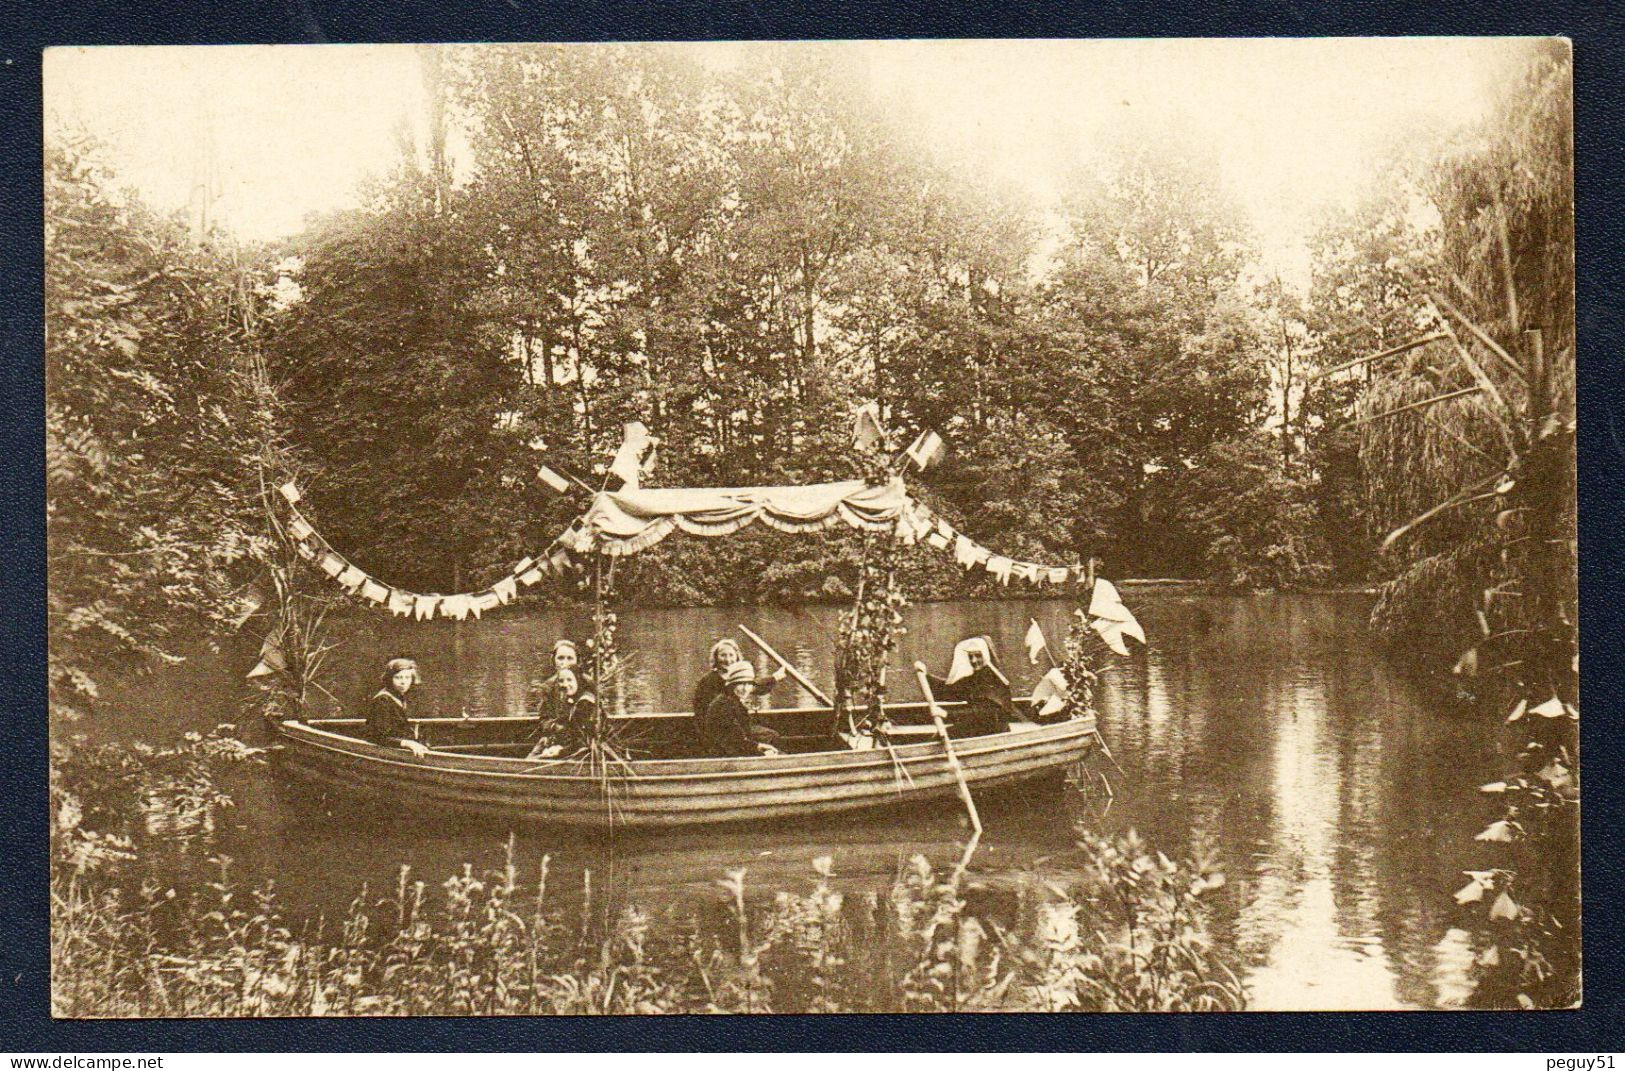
{"x": 1265, "y": 731}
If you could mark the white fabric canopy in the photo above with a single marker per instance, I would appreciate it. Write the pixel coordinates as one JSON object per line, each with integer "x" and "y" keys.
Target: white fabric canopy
{"x": 628, "y": 521}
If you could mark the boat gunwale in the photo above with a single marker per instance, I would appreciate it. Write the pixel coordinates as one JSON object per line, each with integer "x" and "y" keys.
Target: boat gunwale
{"x": 882, "y": 757}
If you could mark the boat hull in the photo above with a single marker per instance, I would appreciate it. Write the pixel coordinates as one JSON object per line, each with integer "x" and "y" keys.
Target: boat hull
{"x": 664, "y": 794}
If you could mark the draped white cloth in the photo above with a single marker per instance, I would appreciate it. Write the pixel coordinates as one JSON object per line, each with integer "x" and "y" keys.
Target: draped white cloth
{"x": 628, "y": 521}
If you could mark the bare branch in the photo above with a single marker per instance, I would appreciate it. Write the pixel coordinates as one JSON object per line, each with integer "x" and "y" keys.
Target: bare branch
{"x": 1396, "y": 351}
{"x": 1413, "y": 405}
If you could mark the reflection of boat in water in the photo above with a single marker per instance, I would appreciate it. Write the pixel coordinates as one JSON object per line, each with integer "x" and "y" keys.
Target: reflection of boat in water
{"x": 466, "y": 771}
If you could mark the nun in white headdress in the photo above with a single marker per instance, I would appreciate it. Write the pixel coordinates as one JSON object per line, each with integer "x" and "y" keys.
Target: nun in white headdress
{"x": 974, "y": 679}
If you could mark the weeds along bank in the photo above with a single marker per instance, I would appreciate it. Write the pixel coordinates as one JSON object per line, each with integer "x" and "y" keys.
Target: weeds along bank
{"x": 1133, "y": 939}
{"x": 1131, "y": 936}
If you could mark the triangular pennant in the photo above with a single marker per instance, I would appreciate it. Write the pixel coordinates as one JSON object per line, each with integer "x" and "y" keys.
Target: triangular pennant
{"x": 531, "y": 576}
{"x": 505, "y": 590}
{"x": 964, "y": 552}
{"x": 866, "y": 431}
{"x": 271, "y": 653}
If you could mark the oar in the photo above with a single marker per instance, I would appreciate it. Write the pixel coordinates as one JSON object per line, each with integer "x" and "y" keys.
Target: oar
{"x": 800, "y": 678}
{"x": 948, "y": 746}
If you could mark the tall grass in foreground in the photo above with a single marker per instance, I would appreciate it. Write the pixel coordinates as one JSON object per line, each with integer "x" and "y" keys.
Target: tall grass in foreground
{"x": 1132, "y": 938}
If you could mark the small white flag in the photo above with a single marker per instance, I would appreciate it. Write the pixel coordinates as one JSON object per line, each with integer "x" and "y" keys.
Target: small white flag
{"x": 290, "y": 492}
{"x": 505, "y": 590}
{"x": 1035, "y": 641}
{"x": 553, "y": 479}
{"x": 1106, "y": 605}
{"x": 866, "y": 430}
{"x": 300, "y": 528}
{"x": 1050, "y": 693}
{"x": 627, "y": 463}
{"x": 926, "y": 450}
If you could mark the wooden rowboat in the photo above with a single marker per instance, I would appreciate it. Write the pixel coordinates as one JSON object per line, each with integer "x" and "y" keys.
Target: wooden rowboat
{"x": 466, "y": 773}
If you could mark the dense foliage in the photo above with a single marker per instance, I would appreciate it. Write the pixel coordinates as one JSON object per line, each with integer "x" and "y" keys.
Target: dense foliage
{"x": 1468, "y": 447}
{"x": 739, "y": 258}
{"x": 154, "y": 434}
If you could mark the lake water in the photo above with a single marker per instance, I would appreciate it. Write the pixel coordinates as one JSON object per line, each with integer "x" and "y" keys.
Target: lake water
{"x": 1266, "y": 731}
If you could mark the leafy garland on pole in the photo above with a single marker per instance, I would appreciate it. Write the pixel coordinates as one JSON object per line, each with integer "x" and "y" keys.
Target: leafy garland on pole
{"x": 870, "y": 628}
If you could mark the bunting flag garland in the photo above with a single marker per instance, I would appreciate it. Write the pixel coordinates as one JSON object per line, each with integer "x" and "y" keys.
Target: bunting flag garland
{"x": 628, "y": 521}
{"x": 916, "y": 522}
{"x": 355, "y": 580}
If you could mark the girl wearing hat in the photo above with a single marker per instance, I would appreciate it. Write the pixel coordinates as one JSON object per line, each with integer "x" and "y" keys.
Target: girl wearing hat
{"x": 388, "y": 711}
{"x": 725, "y": 653}
{"x": 725, "y": 726}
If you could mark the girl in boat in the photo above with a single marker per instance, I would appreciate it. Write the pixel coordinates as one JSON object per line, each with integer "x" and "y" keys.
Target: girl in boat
{"x": 974, "y": 679}
{"x": 388, "y": 712}
{"x": 725, "y": 653}
{"x": 566, "y": 717}
{"x": 564, "y": 658}
{"x": 725, "y": 728}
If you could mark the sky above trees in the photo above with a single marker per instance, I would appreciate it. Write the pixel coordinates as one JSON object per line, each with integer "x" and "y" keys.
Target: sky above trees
{"x": 1293, "y": 126}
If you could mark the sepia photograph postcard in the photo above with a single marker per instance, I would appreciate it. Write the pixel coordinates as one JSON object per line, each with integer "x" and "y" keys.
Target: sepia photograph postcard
{"x": 872, "y": 526}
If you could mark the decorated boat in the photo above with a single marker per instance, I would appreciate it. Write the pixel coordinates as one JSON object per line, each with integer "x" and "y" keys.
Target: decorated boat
{"x": 668, "y": 793}
{"x": 856, "y": 751}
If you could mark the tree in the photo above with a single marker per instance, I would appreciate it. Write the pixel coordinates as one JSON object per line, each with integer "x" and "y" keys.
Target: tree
{"x": 155, "y": 433}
